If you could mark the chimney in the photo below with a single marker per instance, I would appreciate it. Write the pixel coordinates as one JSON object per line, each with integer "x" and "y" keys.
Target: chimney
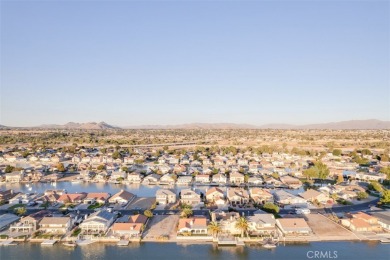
{"x": 192, "y": 222}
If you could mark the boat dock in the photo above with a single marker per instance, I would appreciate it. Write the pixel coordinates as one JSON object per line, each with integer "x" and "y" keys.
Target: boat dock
{"x": 229, "y": 241}
{"x": 8, "y": 242}
{"x": 48, "y": 242}
{"x": 84, "y": 242}
{"x": 123, "y": 243}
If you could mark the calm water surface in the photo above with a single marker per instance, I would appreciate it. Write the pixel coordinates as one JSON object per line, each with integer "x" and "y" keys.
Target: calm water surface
{"x": 137, "y": 189}
{"x": 344, "y": 250}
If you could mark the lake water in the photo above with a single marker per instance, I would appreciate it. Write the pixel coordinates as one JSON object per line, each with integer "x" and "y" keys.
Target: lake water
{"x": 137, "y": 189}
{"x": 172, "y": 251}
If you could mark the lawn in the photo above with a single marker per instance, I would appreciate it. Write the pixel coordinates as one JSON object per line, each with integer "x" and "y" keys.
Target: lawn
{"x": 95, "y": 205}
{"x": 17, "y": 206}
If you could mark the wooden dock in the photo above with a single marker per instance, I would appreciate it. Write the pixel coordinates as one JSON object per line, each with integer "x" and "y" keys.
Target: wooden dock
{"x": 48, "y": 242}
{"x": 8, "y": 242}
{"x": 123, "y": 243}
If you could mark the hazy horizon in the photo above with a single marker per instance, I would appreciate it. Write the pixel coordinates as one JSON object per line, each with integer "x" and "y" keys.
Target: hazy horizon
{"x": 134, "y": 63}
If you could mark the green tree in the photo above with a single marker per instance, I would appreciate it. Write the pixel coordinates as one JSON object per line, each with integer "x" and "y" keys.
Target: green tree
{"x": 386, "y": 170}
{"x": 271, "y": 208}
{"x": 374, "y": 185}
{"x": 9, "y": 169}
{"x": 340, "y": 178}
{"x": 187, "y": 212}
{"x": 116, "y": 155}
{"x": 323, "y": 171}
{"x": 336, "y": 152}
{"x": 148, "y": 213}
{"x": 60, "y": 167}
{"x": 385, "y": 199}
{"x": 25, "y": 154}
{"x": 20, "y": 211}
{"x": 214, "y": 228}
{"x": 242, "y": 224}
{"x": 310, "y": 173}
{"x": 101, "y": 167}
{"x": 362, "y": 195}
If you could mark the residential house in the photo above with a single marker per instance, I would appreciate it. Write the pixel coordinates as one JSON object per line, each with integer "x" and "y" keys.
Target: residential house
{"x": 291, "y": 182}
{"x": 219, "y": 178}
{"x": 361, "y": 222}
{"x": 237, "y": 196}
{"x": 23, "y": 198}
{"x": 5, "y": 195}
{"x": 293, "y": 226}
{"x": 127, "y": 230}
{"x": 236, "y": 178}
{"x": 164, "y": 196}
{"x": 365, "y": 176}
{"x": 254, "y": 180}
{"x": 270, "y": 181}
{"x": 118, "y": 176}
{"x": 261, "y": 223}
{"x": 56, "y": 225}
{"x": 6, "y": 220}
{"x": 74, "y": 198}
{"x": 14, "y": 177}
{"x": 189, "y": 197}
{"x": 30, "y": 223}
{"x": 184, "y": 180}
{"x": 151, "y": 179}
{"x": 193, "y": 226}
{"x": 202, "y": 178}
{"x": 383, "y": 219}
{"x": 96, "y": 197}
{"x": 134, "y": 177}
{"x": 97, "y": 222}
{"x": 122, "y": 197}
{"x": 168, "y": 179}
{"x": 285, "y": 198}
{"x": 215, "y": 195}
{"x": 227, "y": 221}
{"x": 313, "y": 195}
{"x": 139, "y": 218}
{"x": 262, "y": 196}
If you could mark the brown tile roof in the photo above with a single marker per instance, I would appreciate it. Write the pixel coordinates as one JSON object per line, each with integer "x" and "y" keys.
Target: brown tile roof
{"x": 98, "y": 195}
{"x": 72, "y": 197}
{"x": 191, "y": 222}
{"x": 138, "y": 219}
{"x": 126, "y": 226}
{"x": 359, "y": 223}
{"x": 214, "y": 189}
{"x": 364, "y": 216}
{"x": 123, "y": 194}
{"x": 293, "y": 223}
{"x": 54, "y": 220}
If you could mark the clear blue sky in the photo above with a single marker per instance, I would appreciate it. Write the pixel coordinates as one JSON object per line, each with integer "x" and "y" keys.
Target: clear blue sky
{"x": 169, "y": 62}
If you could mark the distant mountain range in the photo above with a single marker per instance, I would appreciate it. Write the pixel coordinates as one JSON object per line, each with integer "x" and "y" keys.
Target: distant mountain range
{"x": 352, "y": 124}
{"x": 86, "y": 126}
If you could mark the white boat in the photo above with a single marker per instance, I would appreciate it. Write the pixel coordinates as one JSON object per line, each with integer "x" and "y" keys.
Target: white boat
{"x": 69, "y": 244}
{"x": 269, "y": 245}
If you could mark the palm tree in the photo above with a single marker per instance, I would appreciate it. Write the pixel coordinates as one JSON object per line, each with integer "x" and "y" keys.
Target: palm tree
{"x": 20, "y": 211}
{"x": 214, "y": 228}
{"x": 242, "y": 224}
{"x": 186, "y": 212}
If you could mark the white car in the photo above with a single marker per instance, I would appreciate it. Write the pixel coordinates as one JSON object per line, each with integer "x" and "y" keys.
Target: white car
{"x": 302, "y": 211}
